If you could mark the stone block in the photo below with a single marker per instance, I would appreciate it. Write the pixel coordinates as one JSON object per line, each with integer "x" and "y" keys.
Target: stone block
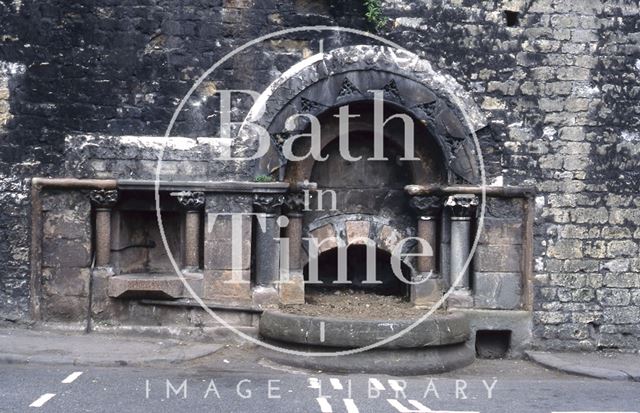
{"x": 64, "y": 308}
{"x": 427, "y": 292}
{"x": 497, "y": 258}
{"x": 573, "y": 73}
{"x": 219, "y": 241}
{"x": 497, "y": 290}
{"x": 357, "y": 232}
{"x": 326, "y": 237}
{"x": 66, "y": 224}
{"x": 617, "y": 265}
{"x": 388, "y": 238}
{"x": 613, "y": 232}
{"x": 460, "y": 299}
{"x": 595, "y": 249}
{"x": 265, "y": 297}
{"x": 583, "y": 295}
{"x": 60, "y": 200}
{"x": 565, "y": 248}
{"x": 589, "y": 215}
{"x": 613, "y": 296}
{"x": 504, "y": 209}
{"x": 568, "y": 280}
{"x": 622, "y": 315}
{"x": 573, "y": 331}
{"x": 104, "y": 307}
{"x": 65, "y": 253}
{"x": 501, "y": 232}
{"x": 623, "y": 248}
{"x": 198, "y": 317}
{"x": 221, "y": 284}
{"x": 551, "y": 317}
{"x": 580, "y": 265}
{"x": 292, "y": 291}
{"x": 66, "y": 281}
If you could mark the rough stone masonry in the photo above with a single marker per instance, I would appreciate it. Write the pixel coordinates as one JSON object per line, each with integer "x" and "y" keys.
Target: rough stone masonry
{"x": 558, "y": 80}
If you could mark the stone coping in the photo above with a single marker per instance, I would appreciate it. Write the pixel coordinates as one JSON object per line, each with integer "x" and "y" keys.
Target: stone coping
{"x": 206, "y": 186}
{"x": 150, "y": 185}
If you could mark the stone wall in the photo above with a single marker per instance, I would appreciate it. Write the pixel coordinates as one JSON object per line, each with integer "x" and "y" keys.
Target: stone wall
{"x": 558, "y": 80}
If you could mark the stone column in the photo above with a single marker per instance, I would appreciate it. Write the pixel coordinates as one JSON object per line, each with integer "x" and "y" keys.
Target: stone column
{"x": 429, "y": 291}
{"x": 267, "y": 251}
{"x": 192, "y": 203}
{"x": 462, "y": 208}
{"x": 103, "y": 200}
{"x": 293, "y": 206}
{"x": 292, "y": 290}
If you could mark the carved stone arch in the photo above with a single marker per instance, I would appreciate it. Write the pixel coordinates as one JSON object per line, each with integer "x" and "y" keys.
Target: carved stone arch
{"x": 350, "y": 229}
{"x": 360, "y": 230}
{"x": 347, "y": 75}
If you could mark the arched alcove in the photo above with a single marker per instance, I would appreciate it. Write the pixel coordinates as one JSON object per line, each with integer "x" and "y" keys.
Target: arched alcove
{"x": 355, "y": 73}
{"x": 358, "y": 273}
{"x": 361, "y": 193}
{"x": 354, "y": 91}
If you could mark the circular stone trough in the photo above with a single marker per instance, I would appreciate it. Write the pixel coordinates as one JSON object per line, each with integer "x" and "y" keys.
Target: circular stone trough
{"x": 438, "y": 344}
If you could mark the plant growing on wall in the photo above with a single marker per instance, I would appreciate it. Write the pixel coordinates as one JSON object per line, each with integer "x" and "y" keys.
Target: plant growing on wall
{"x": 373, "y": 13}
{"x": 263, "y": 178}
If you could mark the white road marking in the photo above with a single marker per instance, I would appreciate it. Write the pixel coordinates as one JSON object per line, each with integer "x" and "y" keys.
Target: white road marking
{"x": 351, "y": 406}
{"x": 314, "y": 383}
{"x": 399, "y": 406}
{"x": 421, "y": 407}
{"x": 376, "y": 384}
{"x": 42, "y": 400}
{"x": 325, "y": 407}
{"x": 336, "y": 384}
{"x": 395, "y": 385}
{"x": 71, "y": 377}
{"x": 322, "y": 331}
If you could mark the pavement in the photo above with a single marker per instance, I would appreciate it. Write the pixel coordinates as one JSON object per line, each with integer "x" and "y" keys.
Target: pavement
{"x": 24, "y": 346}
{"x": 48, "y": 347}
{"x": 607, "y": 365}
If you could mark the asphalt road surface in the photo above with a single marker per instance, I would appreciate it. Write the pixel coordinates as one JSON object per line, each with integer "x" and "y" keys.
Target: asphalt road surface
{"x": 487, "y": 386}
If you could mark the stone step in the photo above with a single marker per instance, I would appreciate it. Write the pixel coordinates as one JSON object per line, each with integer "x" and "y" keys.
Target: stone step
{"x": 400, "y": 362}
{"x": 436, "y": 330}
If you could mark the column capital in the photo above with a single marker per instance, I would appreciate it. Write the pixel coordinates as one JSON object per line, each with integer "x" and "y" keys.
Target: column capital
{"x": 268, "y": 203}
{"x": 427, "y": 206}
{"x": 462, "y": 205}
{"x": 103, "y": 198}
{"x": 189, "y": 200}
{"x": 294, "y": 203}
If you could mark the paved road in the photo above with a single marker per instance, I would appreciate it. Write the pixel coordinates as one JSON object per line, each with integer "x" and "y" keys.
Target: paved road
{"x": 488, "y": 386}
